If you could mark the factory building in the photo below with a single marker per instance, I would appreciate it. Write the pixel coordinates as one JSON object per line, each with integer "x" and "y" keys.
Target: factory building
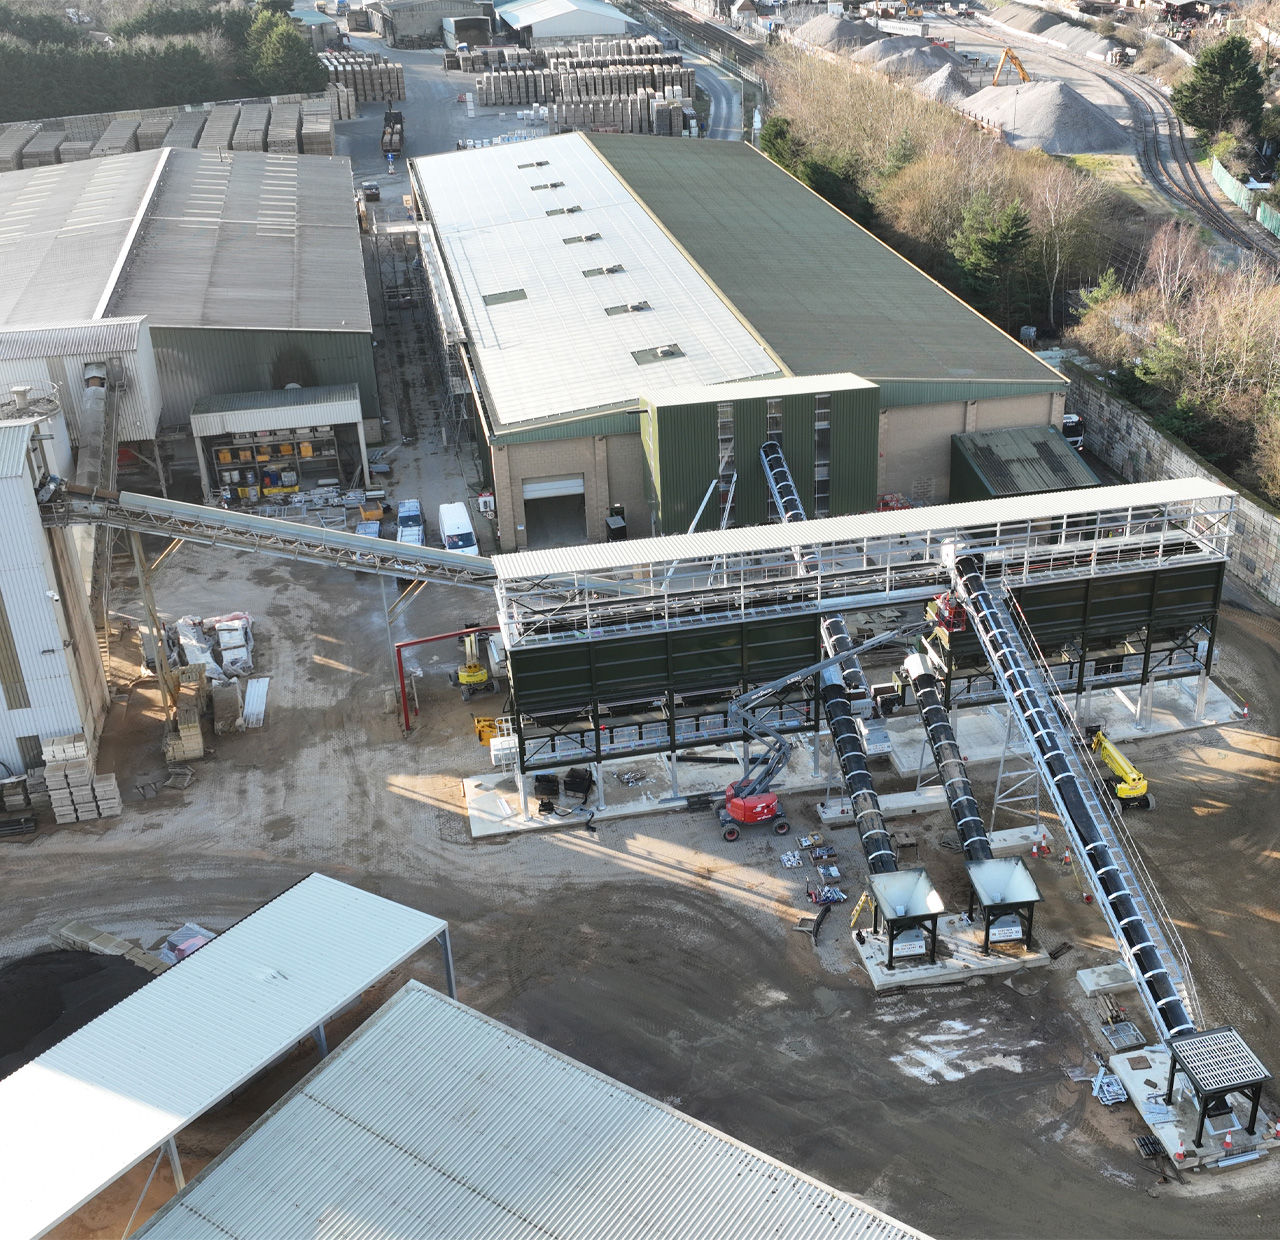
{"x": 182, "y": 274}
{"x": 625, "y": 335}
{"x": 554, "y": 21}
{"x": 408, "y": 22}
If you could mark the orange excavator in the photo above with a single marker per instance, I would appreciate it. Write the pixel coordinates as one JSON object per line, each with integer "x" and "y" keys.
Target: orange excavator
{"x": 1009, "y": 56}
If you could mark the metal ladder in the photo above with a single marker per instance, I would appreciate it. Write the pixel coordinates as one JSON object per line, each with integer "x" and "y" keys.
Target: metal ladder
{"x": 1136, "y": 877}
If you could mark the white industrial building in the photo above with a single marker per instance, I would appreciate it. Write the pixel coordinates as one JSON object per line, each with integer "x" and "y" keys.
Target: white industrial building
{"x": 554, "y": 21}
{"x": 433, "y": 1120}
{"x": 118, "y": 1090}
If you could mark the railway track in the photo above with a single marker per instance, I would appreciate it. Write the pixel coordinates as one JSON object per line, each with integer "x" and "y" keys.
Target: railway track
{"x": 709, "y": 33}
{"x": 1165, "y": 154}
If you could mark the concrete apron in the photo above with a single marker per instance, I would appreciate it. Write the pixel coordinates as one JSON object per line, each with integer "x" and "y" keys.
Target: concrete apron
{"x": 981, "y": 730}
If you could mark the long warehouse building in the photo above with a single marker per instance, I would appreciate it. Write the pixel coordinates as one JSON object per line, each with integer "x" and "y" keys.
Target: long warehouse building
{"x": 627, "y": 319}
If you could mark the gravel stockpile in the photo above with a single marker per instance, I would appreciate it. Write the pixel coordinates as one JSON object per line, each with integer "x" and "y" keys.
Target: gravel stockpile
{"x": 1049, "y": 115}
{"x": 837, "y": 34}
{"x": 882, "y": 49}
{"x": 1050, "y": 26}
{"x": 919, "y": 62}
{"x": 948, "y": 85}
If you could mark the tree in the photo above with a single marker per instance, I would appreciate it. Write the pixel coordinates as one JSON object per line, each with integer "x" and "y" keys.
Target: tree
{"x": 286, "y": 64}
{"x": 989, "y": 247}
{"x": 1225, "y": 86}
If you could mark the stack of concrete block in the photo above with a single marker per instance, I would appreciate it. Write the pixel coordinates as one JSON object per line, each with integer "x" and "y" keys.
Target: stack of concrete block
{"x": 74, "y": 151}
{"x": 371, "y": 76}
{"x": 64, "y": 748}
{"x": 71, "y": 790}
{"x": 317, "y": 127}
{"x": 152, "y": 133}
{"x": 186, "y": 130}
{"x": 505, "y": 87}
{"x": 251, "y": 131}
{"x": 193, "y": 685}
{"x": 285, "y": 129}
{"x": 647, "y": 111}
{"x": 13, "y": 141}
{"x": 42, "y": 150}
{"x": 120, "y": 138}
{"x": 25, "y": 793}
{"x": 106, "y": 795}
{"x": 186, "y": 743}
{"x": 220, "y": 128}
{"x": 80, "y": 936}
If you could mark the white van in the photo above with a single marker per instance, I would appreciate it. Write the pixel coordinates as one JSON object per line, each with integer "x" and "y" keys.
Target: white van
{"x": 456, "y": 531}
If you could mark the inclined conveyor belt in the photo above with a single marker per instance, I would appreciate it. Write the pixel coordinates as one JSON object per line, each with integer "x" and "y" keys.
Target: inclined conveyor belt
{"x": 1049, "y": 736}
{"x": 834, "y": 690}
{"x": 949, "y": 761}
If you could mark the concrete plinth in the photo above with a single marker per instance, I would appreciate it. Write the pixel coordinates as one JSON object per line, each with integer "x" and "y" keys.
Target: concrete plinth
{"x": 892, "y": 805}
{"x": 1145, "y": 1075}
{"x": 1107, "y": 979}
{"x": 1018, "y": 841}
{"x": 956, "y": 936}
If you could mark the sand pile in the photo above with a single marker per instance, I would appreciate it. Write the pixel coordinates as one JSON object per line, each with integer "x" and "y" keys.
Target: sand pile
{"x": 1051, "y": 26}
{"x": 948, "y": 85}
{"x": 837, "y": 34}
{"x": 908, "y": 56}
{"x": 885, "y": 48}
{"x": 1049, "y": 115}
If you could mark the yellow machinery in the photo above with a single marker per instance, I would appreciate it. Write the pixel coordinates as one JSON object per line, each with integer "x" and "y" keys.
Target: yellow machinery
{"x": 486, "y": 727}
{"x": 472, "y": 676}
{"x": 1130, "y": 785}
{"x": 1009, "y": 56}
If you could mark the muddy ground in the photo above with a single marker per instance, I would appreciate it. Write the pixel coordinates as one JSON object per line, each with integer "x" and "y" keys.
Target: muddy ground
{"x": 663, "y": 956}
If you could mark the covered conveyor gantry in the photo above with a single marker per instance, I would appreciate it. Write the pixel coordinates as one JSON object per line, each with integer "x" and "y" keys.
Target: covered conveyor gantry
{"x": 1144, "y": 935}
{"x": 1001, "y": 888}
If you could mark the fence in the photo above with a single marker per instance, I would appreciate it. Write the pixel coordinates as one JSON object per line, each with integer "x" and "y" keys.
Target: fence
{"x": 1242, "y": 197}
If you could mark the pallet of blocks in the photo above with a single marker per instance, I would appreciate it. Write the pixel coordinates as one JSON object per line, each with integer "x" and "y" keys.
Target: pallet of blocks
{"x": 73, "y": 152}
{"x": 251, "y": 129}
{"x": 152, "y": 132}
{"x": 285, "y": 129}
{"x": 13, "y": 142}
{"x": 186, "y": 130}
{"x": 120, "y": 138}
{"x": 187, "y": 742}
{"x": 42, "y": 150}
{"x": 220, "y": 128}
{"x": 317, "y": 128}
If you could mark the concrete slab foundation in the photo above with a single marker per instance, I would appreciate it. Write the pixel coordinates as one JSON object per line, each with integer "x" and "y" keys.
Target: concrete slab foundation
{"x": 1145, "y": 1075}
{"x": 981, "y": 730}
{"x": 1019, "y": 841}
{"x": 959, "y": 958}
{"x": 926, "y": 800}
{"x": 1109, "y": 979}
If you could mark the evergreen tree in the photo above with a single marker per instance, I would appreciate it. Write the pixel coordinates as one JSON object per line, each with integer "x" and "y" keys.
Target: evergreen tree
{"x": 286, "y": 64}
{"x": 989, "y": 247}
{"x": 1225, "y": 86}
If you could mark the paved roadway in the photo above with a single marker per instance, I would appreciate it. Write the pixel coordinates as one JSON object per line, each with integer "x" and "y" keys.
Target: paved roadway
{"x": 725, "y": 92}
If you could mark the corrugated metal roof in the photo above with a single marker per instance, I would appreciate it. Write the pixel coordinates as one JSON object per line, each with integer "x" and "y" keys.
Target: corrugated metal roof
{"x": 276, "y": 410}
{"x": 84, "y": 339}
{"x": 277, "y": 398}
{"x": 1025, "y": 459}
{"x": 520, "y": 13}
{"x": 15, "y": 439}
{"x": 596, "y": 557}
{"x": 824, "y": 292}
{"x": 61, "y": 231}
{"x": 556, "y": 350}
{"x": 754, "y": 389}
{"x": 433, "y": 1120}
{"x": 248, "y": 239}
{"x": 88, "y": 1109}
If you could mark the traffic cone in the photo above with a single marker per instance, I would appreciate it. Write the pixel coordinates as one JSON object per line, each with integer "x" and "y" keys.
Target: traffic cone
{"x": 1246, "y": 710}
{"x": 1181, "y": 1155}
{"x": 1226, "y": 1143}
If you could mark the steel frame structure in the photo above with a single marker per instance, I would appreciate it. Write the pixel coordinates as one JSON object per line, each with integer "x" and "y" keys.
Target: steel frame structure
{"x": 686, "y": 581}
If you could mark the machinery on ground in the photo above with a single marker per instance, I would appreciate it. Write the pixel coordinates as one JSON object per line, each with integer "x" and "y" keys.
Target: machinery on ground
{"x": 1130, "y": 786}
{"x": 392, "y": 132}
{"x": 472, "y": 676}
{"x": 1009, "y": 56}
{"x": 749, "y": 801}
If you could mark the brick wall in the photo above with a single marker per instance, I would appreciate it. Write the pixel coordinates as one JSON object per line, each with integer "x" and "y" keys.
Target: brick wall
{"x": 1127, "y": 441}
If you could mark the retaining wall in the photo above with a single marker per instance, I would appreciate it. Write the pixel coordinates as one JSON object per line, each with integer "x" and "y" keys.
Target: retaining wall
{"x": 1125, "y": 438}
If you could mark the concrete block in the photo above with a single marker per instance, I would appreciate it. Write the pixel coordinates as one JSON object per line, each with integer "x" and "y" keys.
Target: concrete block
{"x": 1108, "y": 979}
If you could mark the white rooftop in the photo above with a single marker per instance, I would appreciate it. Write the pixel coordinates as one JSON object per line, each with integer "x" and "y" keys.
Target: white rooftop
{"x": 555, "y": 350}
{"x": 752, "y": 539}
{"x": 433, "y": 1121}
{"x": 87, "y": 1110}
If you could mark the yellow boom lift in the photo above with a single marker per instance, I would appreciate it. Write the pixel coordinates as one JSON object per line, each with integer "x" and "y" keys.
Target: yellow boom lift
{"x": 1009, "y": 56}
{"x": 1130, "y": 785}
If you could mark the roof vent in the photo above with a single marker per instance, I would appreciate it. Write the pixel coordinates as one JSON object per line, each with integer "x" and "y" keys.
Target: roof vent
{"x": 634, "y": 308}
{"x": 659, "y": 354}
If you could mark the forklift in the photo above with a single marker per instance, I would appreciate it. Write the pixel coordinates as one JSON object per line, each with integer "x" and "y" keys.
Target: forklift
{"x": 748, "y": 801}
{"x": 1130, "y": 785}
